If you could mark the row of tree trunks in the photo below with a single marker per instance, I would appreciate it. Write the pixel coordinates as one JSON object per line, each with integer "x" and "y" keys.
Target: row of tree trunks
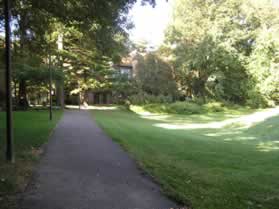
{"x": 22, "y": 101}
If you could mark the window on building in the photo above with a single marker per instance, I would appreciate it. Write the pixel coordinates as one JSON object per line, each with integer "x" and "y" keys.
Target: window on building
{"x": 125, "y": 71}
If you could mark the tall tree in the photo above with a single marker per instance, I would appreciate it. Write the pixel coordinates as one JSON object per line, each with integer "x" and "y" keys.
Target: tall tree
{"x": 154, "y": 75}
{"x": 101, "y": 25}
{"x": 212, "y": 43}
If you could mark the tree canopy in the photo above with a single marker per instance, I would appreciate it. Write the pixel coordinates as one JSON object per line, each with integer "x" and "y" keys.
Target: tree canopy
{"x": 226, "y": 49}
{"x": 93, "y": 33}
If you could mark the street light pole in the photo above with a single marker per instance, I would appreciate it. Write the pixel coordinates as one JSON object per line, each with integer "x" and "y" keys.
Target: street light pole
{"x": 9, "y": 108}
{"x": 50, "y": 87}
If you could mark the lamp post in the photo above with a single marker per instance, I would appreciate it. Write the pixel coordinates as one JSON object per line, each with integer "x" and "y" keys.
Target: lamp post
{"x": 50, "y": 86}
{"x": 60, "y": 63}
{"x": 9, "y": 115}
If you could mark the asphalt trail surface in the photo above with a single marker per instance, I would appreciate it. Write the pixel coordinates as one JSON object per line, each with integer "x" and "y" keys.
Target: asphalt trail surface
{"x": 82, "y": 168}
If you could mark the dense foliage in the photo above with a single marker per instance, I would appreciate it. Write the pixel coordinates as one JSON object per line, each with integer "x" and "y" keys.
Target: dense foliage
{"x": 78, "y": 38}
{"x": 223, "y": 50}
{"x": 227, "y": 50}
{"x": 153, "y": 80}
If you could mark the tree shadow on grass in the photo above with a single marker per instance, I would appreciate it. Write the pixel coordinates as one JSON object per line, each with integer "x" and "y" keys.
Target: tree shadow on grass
{"x": 263, "y": 135}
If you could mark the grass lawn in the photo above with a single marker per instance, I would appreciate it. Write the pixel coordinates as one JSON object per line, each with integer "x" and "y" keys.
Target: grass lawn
{"x": 210, "y": 161}
{"x": 32, "y": 129}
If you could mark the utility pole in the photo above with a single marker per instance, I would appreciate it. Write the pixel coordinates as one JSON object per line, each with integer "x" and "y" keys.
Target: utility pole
{"x": 9, "y": 104}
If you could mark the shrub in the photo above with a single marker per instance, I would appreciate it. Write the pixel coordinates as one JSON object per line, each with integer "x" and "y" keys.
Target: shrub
{"x": 158, "y": 108}
{"x": 186, "y": 108}
{"x": 144, "y": 98}
{"x": 255, "y": 100}
{"x": 199, "y": 100}
{"x": 214, "y": 107}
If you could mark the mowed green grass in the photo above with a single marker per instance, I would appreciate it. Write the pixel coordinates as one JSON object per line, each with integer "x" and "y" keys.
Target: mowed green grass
{"x": 200, "y": 163}
{"x": 31, "y": 131}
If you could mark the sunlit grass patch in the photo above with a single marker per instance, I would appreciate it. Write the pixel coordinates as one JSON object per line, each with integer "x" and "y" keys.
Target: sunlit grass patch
{"x": 93, "y": 107}
{"x": 216, "y": 160}
{"x": 269, "y": 146}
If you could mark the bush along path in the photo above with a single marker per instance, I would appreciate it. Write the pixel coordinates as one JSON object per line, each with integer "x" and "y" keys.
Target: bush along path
{"x": 83, "y": 168}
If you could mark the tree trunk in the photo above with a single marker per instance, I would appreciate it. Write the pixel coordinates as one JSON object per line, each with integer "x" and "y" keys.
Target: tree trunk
{"x": 22, "y": 95}
{"x": 15, "y": 91}
{"x": 22, "y": 102}
{"x": 2, "y": 90}
{"x": 60, "y": 94}
{"x": 84, "y": 98}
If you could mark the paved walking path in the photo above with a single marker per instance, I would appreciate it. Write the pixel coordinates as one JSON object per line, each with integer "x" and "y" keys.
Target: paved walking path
{"x": 84, "y": 169}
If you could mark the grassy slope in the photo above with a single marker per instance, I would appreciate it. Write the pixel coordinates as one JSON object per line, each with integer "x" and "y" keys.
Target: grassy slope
{"x": 32, "y": 129}
{"x": 210, "y": 168}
